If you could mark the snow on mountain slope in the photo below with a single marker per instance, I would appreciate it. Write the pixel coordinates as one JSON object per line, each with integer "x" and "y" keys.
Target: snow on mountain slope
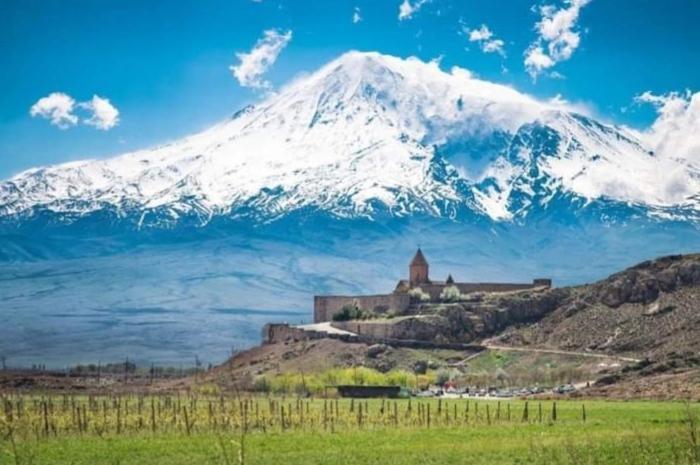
{"x": 369, "y": 132}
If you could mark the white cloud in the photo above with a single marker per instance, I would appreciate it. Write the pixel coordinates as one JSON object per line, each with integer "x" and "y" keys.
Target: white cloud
{"x": 486, "y": 40}
{"x": 104, "y": 115}
{"x": 56, "y": 107}
{"x": 537, "y": 60}
{"x": 557, "y": 37}
{"x": 676, "y": 131}
{"x": 477, "y": 35}
{"x": 59, "y": 109}
{"x": 407, "y": 10}
{"x": 254, "y": 64}
{"x": 356, "y": 17}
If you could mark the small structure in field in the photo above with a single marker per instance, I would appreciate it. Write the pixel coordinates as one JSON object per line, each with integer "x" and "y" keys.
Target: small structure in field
{"x": 364, "y": 392}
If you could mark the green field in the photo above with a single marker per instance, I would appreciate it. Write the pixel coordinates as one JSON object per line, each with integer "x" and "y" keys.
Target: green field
{"x": 210, "y": 430}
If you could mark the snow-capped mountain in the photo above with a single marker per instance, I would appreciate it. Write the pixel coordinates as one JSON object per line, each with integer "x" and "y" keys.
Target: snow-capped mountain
{"x": 369, "y": 134}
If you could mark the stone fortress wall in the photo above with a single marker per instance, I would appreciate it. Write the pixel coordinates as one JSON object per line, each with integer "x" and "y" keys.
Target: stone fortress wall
{"x": 325, "y": 306}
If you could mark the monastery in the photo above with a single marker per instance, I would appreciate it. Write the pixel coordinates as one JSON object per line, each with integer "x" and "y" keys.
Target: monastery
{"x": 325, "y": 306}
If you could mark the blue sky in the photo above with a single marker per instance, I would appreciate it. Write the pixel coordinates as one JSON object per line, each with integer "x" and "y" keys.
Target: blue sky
{"x": 165, "y": 64}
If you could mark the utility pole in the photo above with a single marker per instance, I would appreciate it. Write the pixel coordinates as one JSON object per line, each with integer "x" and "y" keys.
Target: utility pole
{"x": 197, "y": 364}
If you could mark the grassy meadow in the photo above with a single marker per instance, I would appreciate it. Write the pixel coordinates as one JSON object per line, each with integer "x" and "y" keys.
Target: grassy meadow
{"x": 187, "y": 430}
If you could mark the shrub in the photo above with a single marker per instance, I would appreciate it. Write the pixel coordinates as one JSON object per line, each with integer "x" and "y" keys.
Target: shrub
{"x": 450, "y": 294}
{"x": 315, "y": 383}
{"x": 350, "y": 312}
{"x": 420, "y": 367}
{"x": 261, "y": 384}
{"x": 445, "y": 375}
{"x": 417, "y": 293}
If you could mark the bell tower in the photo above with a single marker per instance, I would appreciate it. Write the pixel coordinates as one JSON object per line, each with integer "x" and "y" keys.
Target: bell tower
{"x": 418, "y": 270}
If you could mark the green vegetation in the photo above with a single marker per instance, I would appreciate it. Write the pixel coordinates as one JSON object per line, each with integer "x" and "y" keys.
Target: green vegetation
{"x": 504, "y": 369}
{"x": 316, "y": 383}
{"x": 351, "y": 312}
{"x": 179, "y": 430}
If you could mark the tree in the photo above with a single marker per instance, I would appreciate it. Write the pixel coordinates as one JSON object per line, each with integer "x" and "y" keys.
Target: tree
{"x": 418, "y": 294}
{"x": 450, "y": 294}
{"x": 443, "y": 376}
{"x": 350, "y": 312}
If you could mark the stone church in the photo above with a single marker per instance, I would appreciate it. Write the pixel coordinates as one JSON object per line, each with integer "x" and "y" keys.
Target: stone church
{"x": 326, "y": 306}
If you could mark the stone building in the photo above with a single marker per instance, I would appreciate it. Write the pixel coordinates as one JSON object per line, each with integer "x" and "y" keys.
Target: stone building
{"x": 325, "y": 306}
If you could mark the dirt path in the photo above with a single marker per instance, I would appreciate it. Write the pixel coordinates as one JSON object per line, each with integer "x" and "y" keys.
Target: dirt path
{"x": 560, "y": 352}
{"x": 325, "y": 327}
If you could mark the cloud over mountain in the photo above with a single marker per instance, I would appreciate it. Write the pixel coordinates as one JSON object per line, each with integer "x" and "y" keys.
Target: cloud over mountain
{"x": 253, "y": 65}
{"x": 58, "y": 108}
{"x": 676, "y": 131}
{"x": 61, "y": 110}
{"x": 557, "y": 36}
{"x": 104, "y": 115}
{"x": 486, "y": 39}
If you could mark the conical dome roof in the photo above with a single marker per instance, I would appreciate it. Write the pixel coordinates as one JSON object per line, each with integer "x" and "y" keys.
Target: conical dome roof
{"x": 419, "y": 259}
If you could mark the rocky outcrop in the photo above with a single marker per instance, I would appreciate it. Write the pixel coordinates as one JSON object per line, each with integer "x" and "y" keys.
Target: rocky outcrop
{"x": 649, "y": 310}
{"x": 643, "y": 283}
{"x": 466, "y": 321}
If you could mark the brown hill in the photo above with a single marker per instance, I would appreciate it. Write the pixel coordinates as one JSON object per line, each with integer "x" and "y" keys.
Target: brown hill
{"x": 650, "y": 310}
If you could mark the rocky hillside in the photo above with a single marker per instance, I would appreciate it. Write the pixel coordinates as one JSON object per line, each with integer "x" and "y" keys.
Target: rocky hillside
{"x": 470, "y": 320}
{"x": 649, "y": 310}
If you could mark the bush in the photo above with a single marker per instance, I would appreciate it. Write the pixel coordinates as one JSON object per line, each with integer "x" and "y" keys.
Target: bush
{"x": 347, "y": 312}
{"x": 420, "y": 367}
{"x": 450, "y": 294}
{"x": 445, "y": 375}
{"x": 315, "y": 383}
{"x": 351, "y": 312}
{"x": 417, "y": 293}
{"x": 261, "y": 384}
